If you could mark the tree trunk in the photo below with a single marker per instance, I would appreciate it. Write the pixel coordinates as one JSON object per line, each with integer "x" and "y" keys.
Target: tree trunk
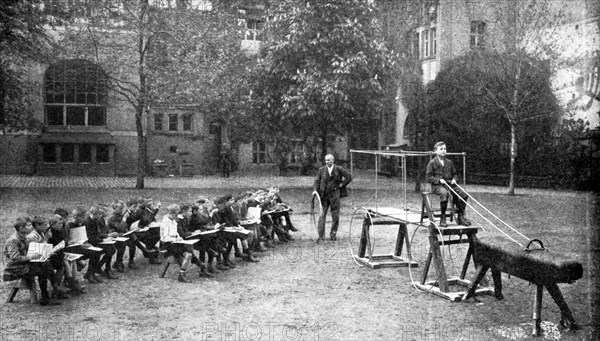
{"x": 141, "y": 161}
{"x": 142, "y": 100}
{"x": 513, "y": 156}
{"x": 324, "y": 132}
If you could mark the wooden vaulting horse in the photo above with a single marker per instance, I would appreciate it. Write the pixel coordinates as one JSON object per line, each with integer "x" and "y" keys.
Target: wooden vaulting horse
{"x": 538, "y": 266}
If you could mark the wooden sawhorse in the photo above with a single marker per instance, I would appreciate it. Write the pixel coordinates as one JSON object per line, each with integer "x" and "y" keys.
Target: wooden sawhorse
{"x": 441, "y": 286}
{"x": 387, "y": 260}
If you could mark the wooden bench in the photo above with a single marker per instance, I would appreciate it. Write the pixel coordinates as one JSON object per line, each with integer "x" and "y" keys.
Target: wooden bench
{"x": 21, "y": 284}
{"x": 170, "y": 259}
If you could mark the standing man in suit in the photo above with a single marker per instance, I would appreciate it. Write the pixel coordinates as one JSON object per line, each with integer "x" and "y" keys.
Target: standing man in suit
{"x": 330, "y": 184}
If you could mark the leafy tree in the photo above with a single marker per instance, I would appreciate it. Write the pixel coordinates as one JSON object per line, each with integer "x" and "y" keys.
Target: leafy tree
{"x": 323, "y": 65}
{"x": 509, "y": 75}
{"x": 157, "y": 55}
{"x": 474, "y": 105}
{"x": 23, "y": 40}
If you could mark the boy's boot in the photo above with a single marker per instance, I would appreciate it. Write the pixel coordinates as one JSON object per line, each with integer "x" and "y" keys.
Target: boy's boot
{"x": 462, "y": 220}
{"x": 183, "y": 278}
{"x": 443, "y": 207}
{"x": 204, "y": 272}
{"x": 249, "y": 257}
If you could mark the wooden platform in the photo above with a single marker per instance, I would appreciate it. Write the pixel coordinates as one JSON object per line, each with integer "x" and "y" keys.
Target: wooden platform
{"x": 437, "y": 238}
{"x": 386, "y": 216}
{"x": 453, "y": 296}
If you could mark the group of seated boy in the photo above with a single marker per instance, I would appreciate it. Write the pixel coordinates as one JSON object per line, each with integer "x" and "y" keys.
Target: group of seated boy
{"x": 198, "y": 233}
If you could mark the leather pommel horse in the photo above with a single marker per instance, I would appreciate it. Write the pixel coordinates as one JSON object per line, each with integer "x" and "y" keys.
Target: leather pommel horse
{"x": 538, "y": 266}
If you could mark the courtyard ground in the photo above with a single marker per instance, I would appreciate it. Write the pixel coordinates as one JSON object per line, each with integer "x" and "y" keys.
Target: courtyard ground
{"x": 302, "y": 290}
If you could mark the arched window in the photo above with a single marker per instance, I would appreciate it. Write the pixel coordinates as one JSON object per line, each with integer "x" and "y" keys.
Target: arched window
{"x": 75, "y": 94}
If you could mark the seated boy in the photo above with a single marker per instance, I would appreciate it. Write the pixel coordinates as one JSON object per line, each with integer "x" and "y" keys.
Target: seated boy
{"x": 97, "y": 231}
{"x": 60, "y": 260}
{"x": 144, "y": 211}
{"x": 279, "y": 210}
{"x": 183, "y": 229}
{"x": 19, "y": 265}
{"x": 41, "y": 233}
{"x": 248, "y": 219}
{"x": 273, "y": 225}
{"x": 78, "y": 218}
{"x": 273, "y": 195}
{"x": 117, "y": 222}
{"x": 442, "y": 175}
{"x": 200, "y": 220}
{"x": 168, "y": 235}
{"x": 226, "y": 218}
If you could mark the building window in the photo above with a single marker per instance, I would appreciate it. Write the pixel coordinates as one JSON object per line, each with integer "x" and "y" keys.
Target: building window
{"x": 297, "y": 152}
{"x": 49, "y": 153}
{"x": 102, "y": 153}
{"x": 67, "y": 153}
{"x": 261, "y": 152}
{"x": 476, "y": 35}
{"x": 214, "y": 128}
{"x": 187, "y": 122}
{"x": 173, "y": 122}
{"x": 75, "y": 94}
{"x": 427, "y": 43}
{"x": 85, "y": 153}
{"x": 202, "y": 5}
{"x": 433, "y": 41}
{"x": 70, "y": 153}
{"x": 253, "y": 29}
{"x": 158, "y": 122}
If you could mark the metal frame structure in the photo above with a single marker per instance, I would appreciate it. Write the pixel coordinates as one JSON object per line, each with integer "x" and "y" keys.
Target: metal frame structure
{"x": 389, "y": 216}
{"x": 403, "y": 155}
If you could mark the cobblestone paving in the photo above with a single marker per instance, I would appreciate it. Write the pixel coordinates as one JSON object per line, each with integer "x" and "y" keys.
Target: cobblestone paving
{"x": 20, "y": 181}
{"x": 362, "y": 180}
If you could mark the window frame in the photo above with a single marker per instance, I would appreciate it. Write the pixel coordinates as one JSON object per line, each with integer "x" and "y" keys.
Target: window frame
{"x": 262, "y": 152}
{"x": 159, "y": 120}
{"x": 74, "y": 90}
{"x": 477, "y": 34}
{"x": 173, "y": 123}
{"x": 254, "y": 29}
{"x": 187, "y": 122}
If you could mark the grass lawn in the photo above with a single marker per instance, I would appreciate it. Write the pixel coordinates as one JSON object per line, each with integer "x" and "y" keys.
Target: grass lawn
{"x": 307, "y": 291}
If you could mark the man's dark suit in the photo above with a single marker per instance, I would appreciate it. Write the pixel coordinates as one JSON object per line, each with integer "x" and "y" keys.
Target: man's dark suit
{"x": 328, "y": 187}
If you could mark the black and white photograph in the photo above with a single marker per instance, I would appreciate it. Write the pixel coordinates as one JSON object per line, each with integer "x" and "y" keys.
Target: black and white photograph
{"x": 306, "y": 170}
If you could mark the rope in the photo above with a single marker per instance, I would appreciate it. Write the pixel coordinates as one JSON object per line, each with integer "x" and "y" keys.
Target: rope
{"x": 474, "y": 210}
{"x": 493, "y": 215}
